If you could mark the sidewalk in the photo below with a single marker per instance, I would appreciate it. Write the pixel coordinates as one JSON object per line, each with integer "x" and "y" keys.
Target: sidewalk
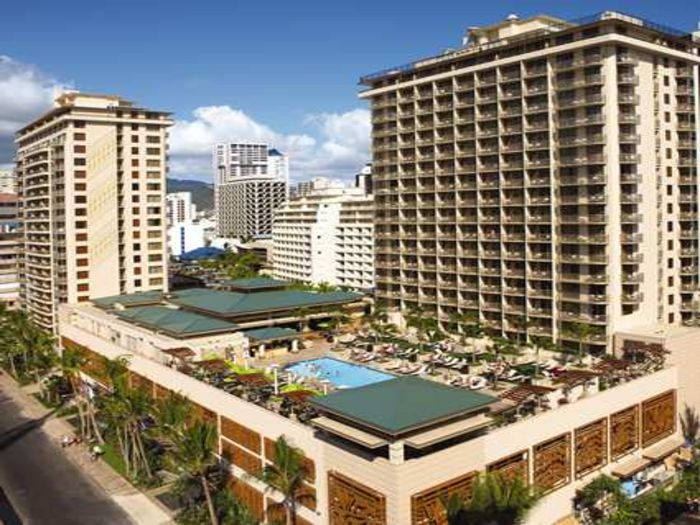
{"x": 142, "y": 509}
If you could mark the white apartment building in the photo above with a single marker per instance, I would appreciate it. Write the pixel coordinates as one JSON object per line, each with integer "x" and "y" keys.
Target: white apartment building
{"x": 184, "y": 237}
{"x": 91, "y": 186}
{"x": 326, "y": 236}
{"x": 8, "y": 181}
{"x": 179, "y": 207}
{"x": 9, "y": 248}
{"x": 542, "y": 176}
{"x": 250, "y": 183}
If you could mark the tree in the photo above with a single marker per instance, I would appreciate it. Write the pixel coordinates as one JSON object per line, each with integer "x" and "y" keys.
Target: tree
{"x": 539, "y": 344}
{"x": 286, "y": 475}
{"x": 494, "y": 499}
{"x": 468, "y": 326}
{"x": 193, "y": 456}
{"x": 581, "y": 332}
{"x": 172, "y": 413}
{"x": 690, "y": 425}
{"x": 425, "y": 323}
{"x": 338, "y": 318}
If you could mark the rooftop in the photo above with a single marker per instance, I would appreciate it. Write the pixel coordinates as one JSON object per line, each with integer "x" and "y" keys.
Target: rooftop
{"x": 271, "y": 333}
{"x": 402, "y": 405}
{"x": 133, "y": 299}
{"x": 254, "y": 284}
{"x": 176, "y": 323}
{"x": 230, "y": 304}
{"x": 554, "y": 26}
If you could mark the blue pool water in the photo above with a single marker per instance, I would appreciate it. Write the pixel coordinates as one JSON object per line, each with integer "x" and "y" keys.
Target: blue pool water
{"x": 340, "y": 373}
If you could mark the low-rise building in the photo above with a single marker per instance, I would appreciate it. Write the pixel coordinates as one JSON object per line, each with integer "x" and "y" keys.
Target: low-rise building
{"x": 326, "y": 236}
{"x": 391, "y": 451}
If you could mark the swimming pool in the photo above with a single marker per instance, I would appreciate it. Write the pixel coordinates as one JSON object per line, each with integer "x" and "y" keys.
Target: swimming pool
{"x": 341, "y": 373}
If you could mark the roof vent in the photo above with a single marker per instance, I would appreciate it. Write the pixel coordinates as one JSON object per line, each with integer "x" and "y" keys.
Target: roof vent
{"x": 512, "y": 17}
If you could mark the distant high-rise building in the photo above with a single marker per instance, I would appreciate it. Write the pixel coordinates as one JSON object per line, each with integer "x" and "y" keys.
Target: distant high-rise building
{"x": 180, "y": 208}
{"x": 8, "y": 181}
{"x": 363, "y": 179}
{"x": 325, "y": 235}
{"x": 251, "y": 182}
{"x": 9, "y": 248}
{"x": 91, "y": 186}
{"x": 543, "y": 178}
{"x": 317, "y": 183}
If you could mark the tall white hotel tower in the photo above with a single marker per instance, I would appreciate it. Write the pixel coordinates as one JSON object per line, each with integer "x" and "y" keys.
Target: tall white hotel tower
{"x": 251, "y": 182}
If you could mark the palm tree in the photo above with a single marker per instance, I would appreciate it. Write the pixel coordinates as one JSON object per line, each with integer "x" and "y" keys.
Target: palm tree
{"x": 425, "y": 323}
{"x": 302, "y": 314}
{"x": 582, "y": 332}
{"x": 539, "y": 344}
{"x": 193, "y": 455}
{"x": 494, "y": 499}
{"x": 172, "y": 414}
{"x": 286, "y": 475}
{"x": 690, "y": 425}
{"x": 70, "y": 364}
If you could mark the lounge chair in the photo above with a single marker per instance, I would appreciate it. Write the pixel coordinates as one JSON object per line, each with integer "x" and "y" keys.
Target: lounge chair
{"x": 477, "y": 383}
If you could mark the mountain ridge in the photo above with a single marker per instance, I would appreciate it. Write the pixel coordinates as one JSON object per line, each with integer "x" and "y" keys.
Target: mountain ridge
{"x": 202, "y": 192}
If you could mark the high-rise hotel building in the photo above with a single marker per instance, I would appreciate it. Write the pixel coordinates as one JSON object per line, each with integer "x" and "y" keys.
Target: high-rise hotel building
{"x": 543, "y": 176}
{"x": 91, "y": 186}
{"x": 250, "y": 184}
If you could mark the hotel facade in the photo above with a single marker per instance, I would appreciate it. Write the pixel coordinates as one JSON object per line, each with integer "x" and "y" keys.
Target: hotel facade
{"x": 251, "y": 182}
{"x": 542, "y": 176}
{"x": 91, "y": 188}
{"x": 326, "y": 235}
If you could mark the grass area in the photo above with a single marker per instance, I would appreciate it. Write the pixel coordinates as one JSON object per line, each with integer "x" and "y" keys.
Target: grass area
{"x": 113, "y": 458}
{"x": 44, "y": 401}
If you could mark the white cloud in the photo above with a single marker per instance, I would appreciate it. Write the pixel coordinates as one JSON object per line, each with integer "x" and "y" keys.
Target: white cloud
{"x": 341, "y": 149}
{"x": 25, "y": 92}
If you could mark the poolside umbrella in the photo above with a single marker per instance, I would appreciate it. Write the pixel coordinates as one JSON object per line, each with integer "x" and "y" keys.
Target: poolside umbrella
{"x": 275, "y": 372}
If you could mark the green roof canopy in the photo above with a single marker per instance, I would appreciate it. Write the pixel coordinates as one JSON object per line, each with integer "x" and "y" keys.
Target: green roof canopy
{"x": 255, "y": 283}
{"x": 271, "y": 333}
{"x": 175, "y": 322}
{"x": 133, "y": 299}
{"x": 399, "y": 406}
{"x": 231, "y": 304}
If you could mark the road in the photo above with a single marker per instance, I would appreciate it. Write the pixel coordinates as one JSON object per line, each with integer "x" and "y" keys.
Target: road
{"x": 41, "y": 485}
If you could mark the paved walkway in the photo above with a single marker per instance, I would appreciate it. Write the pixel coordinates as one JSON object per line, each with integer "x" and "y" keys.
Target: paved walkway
{"x": 140, "y": 508}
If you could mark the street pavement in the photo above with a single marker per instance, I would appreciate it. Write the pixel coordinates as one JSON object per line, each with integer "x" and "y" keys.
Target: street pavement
{"x": 38, "y": 483}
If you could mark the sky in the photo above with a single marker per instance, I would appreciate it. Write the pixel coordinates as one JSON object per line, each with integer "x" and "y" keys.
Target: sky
{"x": 282, "y": 72}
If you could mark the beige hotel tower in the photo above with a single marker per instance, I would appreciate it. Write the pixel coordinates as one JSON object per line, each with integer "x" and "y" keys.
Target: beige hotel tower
{"x": 542, "y": 176}
{"x": 91, "y": 182}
